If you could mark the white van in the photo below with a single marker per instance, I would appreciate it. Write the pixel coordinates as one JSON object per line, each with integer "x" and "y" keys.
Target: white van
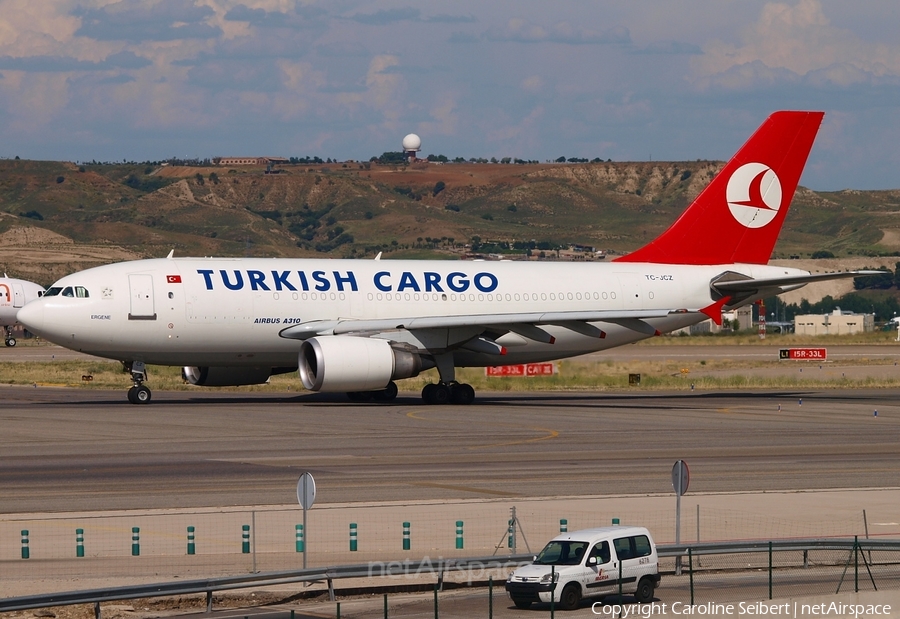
{"x": 591, "y": 563}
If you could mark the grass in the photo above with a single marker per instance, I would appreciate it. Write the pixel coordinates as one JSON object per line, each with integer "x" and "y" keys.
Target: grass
{"x": 573, "y": 375}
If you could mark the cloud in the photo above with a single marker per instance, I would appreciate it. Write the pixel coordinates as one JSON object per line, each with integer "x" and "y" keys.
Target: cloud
{"x": 138, "y": 21}
{"x": 795, "y": 43}
{"x": 451, "y": 19}
{"x": 386, "y": 16}
{"x": 63, "y": 64}
{"x": 463, "y": 37}
{"x": 232, "y": 74}
{"x": 300, "y": 17}
{"x": 519, "y": 30}
{"x": 669, "y": 48}
{"x": 342, "y": 49}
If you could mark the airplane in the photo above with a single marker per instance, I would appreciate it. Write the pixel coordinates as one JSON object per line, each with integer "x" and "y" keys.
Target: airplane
{"x": 356, "y": 326}
{"x": 14, "y": 294}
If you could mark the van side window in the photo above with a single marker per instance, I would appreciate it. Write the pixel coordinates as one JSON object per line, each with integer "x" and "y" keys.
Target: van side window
{"x": 642, "y": 546}
{"x": 623, "y": 548}
{"x": 601, "y": 552}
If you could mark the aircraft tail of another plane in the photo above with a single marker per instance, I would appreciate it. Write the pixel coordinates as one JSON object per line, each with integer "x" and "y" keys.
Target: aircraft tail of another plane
{"x": 738, "y": 216}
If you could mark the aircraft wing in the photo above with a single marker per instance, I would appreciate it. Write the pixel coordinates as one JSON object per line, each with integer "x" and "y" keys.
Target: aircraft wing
{"x": 735, "y": 284}
{"x": 525, "y": 323}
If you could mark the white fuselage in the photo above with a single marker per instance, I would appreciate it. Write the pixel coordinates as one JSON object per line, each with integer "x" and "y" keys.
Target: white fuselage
{"x": 229, "y": 312}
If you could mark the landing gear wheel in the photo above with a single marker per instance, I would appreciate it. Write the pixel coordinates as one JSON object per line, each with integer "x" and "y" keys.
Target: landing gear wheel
{"x": 387, "y": 394}
{"x": 436, "y": 394}
{"x": 10, "y": 341}
{"x": 461, "y": 393}
{"x": 141, "y": 395}
{"x": 131, "y": 395}
{"x": 644, "y": 593}
{"x": 570, "y": 597}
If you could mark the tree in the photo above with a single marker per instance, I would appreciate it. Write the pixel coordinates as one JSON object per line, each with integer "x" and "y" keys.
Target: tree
{"x": 438, "y": 188}
{"x": 822, "y": 253}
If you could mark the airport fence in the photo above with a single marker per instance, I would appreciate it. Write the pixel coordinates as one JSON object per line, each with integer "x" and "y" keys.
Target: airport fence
{"x": 60, "y": 552}
{"x": 716, "y": 579}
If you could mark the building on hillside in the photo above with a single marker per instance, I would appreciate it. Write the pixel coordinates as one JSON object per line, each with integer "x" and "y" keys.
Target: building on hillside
{"x": 250, "y": 160}
{"x": 835, "y": 323}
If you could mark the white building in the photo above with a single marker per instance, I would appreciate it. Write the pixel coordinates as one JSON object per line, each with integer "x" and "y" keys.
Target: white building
{"x": 835, "y": 323}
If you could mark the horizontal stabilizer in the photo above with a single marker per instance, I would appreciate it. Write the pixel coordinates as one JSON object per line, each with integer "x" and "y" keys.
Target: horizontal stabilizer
{"x": 752, "y": 285}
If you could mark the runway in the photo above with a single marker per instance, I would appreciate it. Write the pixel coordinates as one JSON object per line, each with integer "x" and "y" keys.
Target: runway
{"x": 70, "y": 450}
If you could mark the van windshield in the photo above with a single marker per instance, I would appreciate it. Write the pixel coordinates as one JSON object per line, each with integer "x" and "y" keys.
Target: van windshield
{"x": 562, "y": 553}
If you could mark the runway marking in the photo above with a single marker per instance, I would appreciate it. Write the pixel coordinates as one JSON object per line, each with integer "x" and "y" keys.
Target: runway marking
{"x": 464, "y": 489}
{"x": 549, "y": 433}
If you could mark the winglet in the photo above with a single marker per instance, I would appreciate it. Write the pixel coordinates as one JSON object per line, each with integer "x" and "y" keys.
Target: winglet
{"x": 714, "y": 310}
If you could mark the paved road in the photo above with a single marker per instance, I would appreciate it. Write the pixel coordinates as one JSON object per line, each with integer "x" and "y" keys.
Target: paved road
{"x": 191, "y": 450}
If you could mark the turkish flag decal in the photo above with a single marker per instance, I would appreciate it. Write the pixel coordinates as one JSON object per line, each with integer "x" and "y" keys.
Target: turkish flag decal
{"x": 173, "y": 279}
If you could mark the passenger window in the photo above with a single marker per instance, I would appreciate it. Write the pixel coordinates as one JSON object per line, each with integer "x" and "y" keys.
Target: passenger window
{"x": 68, "y": 292}
{"x": 601, "y": 552}
{"x": 81, "y": 292}
{"x": 642, "y": 546}
{"x": 623, "y": 548}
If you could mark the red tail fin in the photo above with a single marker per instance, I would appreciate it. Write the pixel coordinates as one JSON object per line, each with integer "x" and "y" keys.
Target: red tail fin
{"x": 738, "y": 216}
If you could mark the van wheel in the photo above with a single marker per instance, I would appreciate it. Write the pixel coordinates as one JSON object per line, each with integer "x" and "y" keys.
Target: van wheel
{"x": 644, "y": 591}
{"x": 523, "y": 604}
{"x": 570, "y": 597}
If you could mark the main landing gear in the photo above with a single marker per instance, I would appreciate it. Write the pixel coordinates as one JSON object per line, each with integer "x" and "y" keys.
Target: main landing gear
{"x": 139, "y": 393}
{"x": 448, "y": 391}
{"x": 454, "y": 393}
{"x": 10, "y": 340}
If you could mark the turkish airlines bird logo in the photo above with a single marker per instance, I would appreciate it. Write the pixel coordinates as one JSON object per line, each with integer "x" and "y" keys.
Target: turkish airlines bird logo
{"x": 753, "y": 194}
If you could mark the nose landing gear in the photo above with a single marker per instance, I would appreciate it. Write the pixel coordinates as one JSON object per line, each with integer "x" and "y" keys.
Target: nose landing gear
{"x": 139, "y": 393}
{"x": 10, "y": 340}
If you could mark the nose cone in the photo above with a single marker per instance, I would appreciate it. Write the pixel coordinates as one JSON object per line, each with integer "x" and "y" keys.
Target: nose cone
{"x": 32, "y": 317}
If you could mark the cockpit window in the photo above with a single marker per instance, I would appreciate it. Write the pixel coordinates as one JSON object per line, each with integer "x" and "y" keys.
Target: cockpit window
{"x": 68, "y": 292}
{"x": 53, "y": 291}
{"x": 81, "y": 292}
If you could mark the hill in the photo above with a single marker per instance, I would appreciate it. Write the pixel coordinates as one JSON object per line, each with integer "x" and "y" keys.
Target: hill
{"x": 58, "y": 217}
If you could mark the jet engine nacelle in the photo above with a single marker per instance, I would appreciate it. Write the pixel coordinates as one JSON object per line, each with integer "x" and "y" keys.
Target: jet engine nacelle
{"x": 225, "y": 376}
{"x": 346, "y": 363}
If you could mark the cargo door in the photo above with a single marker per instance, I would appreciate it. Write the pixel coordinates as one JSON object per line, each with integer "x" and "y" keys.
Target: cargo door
{"x": 142, "y": 305}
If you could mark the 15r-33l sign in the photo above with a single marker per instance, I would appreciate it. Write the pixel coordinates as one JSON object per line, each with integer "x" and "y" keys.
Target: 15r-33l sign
{"x": 803, "y": 354}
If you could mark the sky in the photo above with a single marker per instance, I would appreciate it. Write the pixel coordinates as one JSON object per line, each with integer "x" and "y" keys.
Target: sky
{"x": 627, "y": 80}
